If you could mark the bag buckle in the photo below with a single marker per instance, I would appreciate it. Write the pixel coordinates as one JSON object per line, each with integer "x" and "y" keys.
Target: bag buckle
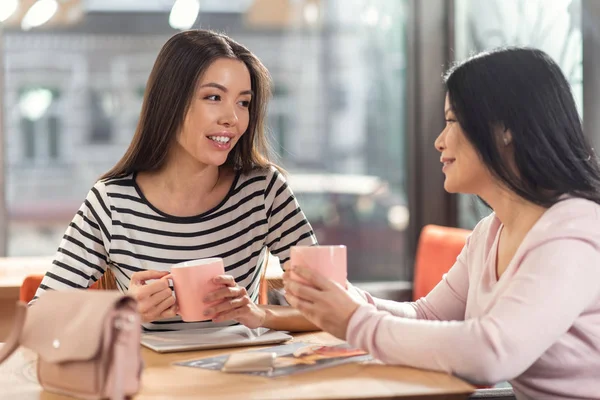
{"x": 124, "y": 323}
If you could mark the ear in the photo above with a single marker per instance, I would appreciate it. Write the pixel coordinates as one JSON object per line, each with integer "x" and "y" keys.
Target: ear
{"x": 506, "y": 137}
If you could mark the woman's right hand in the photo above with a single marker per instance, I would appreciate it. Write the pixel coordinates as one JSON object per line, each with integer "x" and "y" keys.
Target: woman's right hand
{"x": 155, "y": 299}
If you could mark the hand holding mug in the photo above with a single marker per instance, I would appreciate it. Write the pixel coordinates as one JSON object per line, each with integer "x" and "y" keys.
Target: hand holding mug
{"x": 155, "y": 299}
{"x": 315, "y": 296}
{"x": 233, "y": 303}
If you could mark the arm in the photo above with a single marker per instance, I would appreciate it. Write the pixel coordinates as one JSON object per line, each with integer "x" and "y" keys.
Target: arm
{"x": 446, "y": 302}
{"x": 82, "y": 256}
{"x": 544, "y": 291}
{"x": 286, "y": 318}
{"x": 287, "y": 223}
{"x": 288, "y": 227}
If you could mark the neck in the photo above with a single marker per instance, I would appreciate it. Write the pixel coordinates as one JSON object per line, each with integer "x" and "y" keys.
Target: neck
{"x": 183, "y": 175}
{"x": 515, "y": 213}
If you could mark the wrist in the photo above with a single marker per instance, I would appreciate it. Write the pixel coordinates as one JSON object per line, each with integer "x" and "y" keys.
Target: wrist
{"x": 266, "y": 316}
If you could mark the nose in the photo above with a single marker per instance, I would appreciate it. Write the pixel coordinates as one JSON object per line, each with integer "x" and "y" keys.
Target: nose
{"x": 439, "y": 142}
{"x": 228, "y": 116}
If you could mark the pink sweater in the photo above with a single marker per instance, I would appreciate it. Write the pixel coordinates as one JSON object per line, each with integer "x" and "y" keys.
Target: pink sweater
{"x": 537, "y": 326}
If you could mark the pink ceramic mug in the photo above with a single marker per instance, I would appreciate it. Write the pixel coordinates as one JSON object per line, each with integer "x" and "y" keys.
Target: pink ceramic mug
{"x": 192, "y": 280}
{"x": 329, "y": 261}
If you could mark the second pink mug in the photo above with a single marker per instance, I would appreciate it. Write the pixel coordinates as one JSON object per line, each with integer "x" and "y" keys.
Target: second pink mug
{"x": 329, "y": 261}
{"x": 192, "y": 280}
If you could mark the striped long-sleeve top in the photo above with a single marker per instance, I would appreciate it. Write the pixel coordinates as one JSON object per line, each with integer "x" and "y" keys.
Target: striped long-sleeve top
{"x": 117, "y": 228}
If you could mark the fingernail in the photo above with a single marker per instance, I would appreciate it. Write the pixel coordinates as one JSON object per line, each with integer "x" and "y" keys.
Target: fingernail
{"x": 207, "y": 312}
{"x": 206, "y": 299}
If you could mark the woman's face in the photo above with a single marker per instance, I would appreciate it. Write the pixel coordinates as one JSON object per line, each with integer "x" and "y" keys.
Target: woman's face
{"x": 464, "y": 170}
{"x": 218, "y": 114}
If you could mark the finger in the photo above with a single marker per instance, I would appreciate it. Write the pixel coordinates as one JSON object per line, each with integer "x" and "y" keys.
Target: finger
{"x": 158, "y": 297}
{"x": 149, "y": 303}
{"x": 303, "y": 291}
{"x": 227, "y": 306}
{"x": 313, "y": 277}
{"x": 304, "y": 306}
{"x": 225, "y": 293}
{"x": 152, "y": 288}
{"x": 170, "y": 312}
{"x": 227, "y": 280}
{"x": 141, "y": 277}
{"x": 233, "y": 314}
{"x": 286, "y": 265}
{"x": 287, "y": 275}
{"x": 164, "y": 305}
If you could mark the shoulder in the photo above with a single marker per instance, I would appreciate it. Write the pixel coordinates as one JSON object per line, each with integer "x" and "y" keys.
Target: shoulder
{"x": 270, "y": 177}
{"x": 572, "y": 218}
{"x": 114, "y": 185}
{"x": 264, "y": 172}
{"x": 106, "y": 190}
{"x": 484, "y": 233}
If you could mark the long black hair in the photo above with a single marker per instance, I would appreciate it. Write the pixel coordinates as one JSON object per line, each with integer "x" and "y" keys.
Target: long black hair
{"x": 524, "y": 92}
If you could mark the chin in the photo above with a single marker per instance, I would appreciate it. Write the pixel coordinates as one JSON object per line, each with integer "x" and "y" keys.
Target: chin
{"x": 451, "y": 188}
{"x": 212, "y": 161}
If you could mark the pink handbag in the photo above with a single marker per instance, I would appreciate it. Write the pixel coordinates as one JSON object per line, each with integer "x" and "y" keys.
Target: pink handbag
{"x": 87, "y": 341}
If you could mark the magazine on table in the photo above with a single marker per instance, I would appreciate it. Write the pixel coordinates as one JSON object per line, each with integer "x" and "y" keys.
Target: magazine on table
{"x": 292, "y": 358}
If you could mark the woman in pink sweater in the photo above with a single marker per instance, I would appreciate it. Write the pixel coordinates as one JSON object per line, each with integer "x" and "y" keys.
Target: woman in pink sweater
{"x": 522, "y": 301}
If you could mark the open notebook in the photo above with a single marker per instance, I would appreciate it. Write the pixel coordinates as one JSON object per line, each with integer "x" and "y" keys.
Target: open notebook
{"x": 211, "y": 338}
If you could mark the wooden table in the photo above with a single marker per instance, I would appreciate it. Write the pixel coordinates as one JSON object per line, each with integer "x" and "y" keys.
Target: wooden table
{"x": 162, "y": 380}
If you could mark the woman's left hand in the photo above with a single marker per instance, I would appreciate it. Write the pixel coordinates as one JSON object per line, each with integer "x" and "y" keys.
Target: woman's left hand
{"x": 233, "y": 304}
{"x": 322, "y": 301}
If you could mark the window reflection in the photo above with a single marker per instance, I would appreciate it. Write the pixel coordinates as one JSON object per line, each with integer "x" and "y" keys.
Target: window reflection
{"x": 360, "y": 212}
{"x": 39, "y": 125}
{"x": 336, "y": 117}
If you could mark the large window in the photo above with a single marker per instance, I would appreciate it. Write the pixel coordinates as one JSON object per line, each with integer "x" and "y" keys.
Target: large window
{"x": 337, "y": 118}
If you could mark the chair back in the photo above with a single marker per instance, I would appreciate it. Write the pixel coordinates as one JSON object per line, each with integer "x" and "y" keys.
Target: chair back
{"x": 438, "y": 248}
{"x": 32, "y": 282}
{"x": 108, "y": 281}
{"x": 29, "y": 287}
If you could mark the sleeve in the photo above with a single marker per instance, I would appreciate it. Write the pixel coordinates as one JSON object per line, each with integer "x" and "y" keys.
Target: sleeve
{"x": 446, "y": 302}
{"x": 82, "y": 256}
{"x": 554, "y": 283}
{"x": 287, "y": 223}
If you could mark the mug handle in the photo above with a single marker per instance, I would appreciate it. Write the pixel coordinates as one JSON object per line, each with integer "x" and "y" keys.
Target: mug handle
{"x": 170, "y": 277}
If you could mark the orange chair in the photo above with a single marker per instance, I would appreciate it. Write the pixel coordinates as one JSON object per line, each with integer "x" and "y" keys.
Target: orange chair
{"x": 438, "y": 248}
{"x": 32, "y": 282}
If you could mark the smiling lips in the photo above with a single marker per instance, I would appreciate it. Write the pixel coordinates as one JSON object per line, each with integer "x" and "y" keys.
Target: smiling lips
{"x": 447, "y": 162}
{"x": 221, "y": 140}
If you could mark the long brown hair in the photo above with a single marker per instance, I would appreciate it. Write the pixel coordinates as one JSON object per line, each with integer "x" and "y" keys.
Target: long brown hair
{"x": 171, "y": 86}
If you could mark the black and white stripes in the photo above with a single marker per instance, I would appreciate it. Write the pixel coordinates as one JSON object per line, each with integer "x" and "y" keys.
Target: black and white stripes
{"x": 117, "y": 228}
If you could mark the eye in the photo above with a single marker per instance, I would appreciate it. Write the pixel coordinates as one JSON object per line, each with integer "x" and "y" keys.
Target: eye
{"x": 245, "y": 103}
{"x": 213, "y": 97}
{"x": 449, "y": 120}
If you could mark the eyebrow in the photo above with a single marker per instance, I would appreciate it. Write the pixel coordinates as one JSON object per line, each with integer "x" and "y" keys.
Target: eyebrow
{"x": 224, "y": 89}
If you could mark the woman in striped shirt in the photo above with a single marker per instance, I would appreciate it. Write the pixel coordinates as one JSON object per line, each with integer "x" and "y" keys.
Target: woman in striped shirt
{"x": 195, "y": 183}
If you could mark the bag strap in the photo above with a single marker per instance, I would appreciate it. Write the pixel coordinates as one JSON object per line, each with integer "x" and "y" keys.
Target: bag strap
{"x": 12, "y": 343}
{"x": 119, "y": 359}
